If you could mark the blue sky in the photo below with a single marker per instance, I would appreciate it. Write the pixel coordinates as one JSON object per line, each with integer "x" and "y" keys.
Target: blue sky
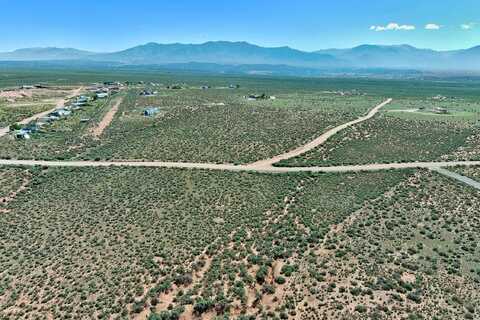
{"x": 108, "y": 25}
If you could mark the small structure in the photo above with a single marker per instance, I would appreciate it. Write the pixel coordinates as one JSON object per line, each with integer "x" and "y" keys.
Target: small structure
{"x": 79, "y": 104}
{"x": 234, "y": 86}
{"x": 59, "y": 113}
{"x": 82, "y": 99}
{"x": 32, "y": 127}
{"x": 22, "y": 134}
{"x": 439, "y": 98}
{"x": 41, "y": 122}
{"x": 102, "y": 95}
{"x": 206, "y": 87}
{"x": 440, "y": 110}
{"x": 148, "y": 93}
{"x": 150, "y": 111}
{"x": 253, "y": 97}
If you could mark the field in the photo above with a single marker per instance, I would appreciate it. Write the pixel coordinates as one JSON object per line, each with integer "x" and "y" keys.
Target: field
{"x": 407, "y": 130}
{"x": 218, "y": 125}
{"x": 412, "y": 254}
{"x": 387, "y": 245}
{"x": 125, "y": 242}
{"x": 388, "y": 138}
{"x": 202, "y": 238}
{"x": 221, "y": 126}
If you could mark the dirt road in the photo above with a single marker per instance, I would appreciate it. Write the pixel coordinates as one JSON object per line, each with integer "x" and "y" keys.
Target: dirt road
{"x": 318, "y": 141}
{"x": 230, "y": 167}
{"x": 107, "y": 119}
{"x": 265, "y": 166}
{"x": 459, "y": 177}
{"x": 58, "y": 103}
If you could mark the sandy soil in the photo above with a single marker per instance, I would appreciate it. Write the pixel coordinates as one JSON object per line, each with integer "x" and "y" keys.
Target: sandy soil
{"x": 13, "y": 95}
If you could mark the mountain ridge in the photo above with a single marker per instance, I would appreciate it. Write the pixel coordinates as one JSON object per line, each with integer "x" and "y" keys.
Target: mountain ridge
{"x": 402, "y": 56}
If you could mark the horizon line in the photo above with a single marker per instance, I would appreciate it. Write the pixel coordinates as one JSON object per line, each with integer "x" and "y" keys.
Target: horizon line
{"x": 232, "y": 41}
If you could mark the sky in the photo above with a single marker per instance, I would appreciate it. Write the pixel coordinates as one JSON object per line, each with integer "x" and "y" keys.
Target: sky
{"x": 111, "y": 25}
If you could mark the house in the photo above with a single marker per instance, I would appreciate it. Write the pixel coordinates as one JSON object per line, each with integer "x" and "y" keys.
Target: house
{"x": 253, "y": 97}
{"x": 79, "y": 104}
{"x": 102, "y": 90}
{"x": 440, "y": 110}
{"x": 62, "y": 112}
{"x": 150, "y": 111}
{"x": 148, "y": 93}
{"x": 22, "y": 134}
{"x": 32, "y": 127}
{"x": 102, "y": 95}
{"x": 82, "y": 99}
{"x": 41, "y": 123}
{"x": 92, "y": 89}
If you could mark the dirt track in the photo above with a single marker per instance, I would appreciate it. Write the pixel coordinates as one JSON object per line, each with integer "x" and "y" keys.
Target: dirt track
{"x": 318, "y": 141}
{"x": 456, "y": 176}
{"x": 231, "y": 167}
{"x": 107, "y": 119}
{"x": 265, "y": 166}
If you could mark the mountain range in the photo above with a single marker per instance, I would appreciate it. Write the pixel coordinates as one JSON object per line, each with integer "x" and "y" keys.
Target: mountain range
{"x": 243, "y": 53}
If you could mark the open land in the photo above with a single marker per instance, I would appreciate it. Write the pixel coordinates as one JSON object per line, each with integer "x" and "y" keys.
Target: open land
{"x": 198, "y": 197}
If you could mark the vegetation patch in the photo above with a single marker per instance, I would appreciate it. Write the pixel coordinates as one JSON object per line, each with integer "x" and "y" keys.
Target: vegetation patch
{"x": 131, "y": 242}
{"x": 386, "y": 139}
{"x": 412, "y": 252}
{"x": 220, "y": 126}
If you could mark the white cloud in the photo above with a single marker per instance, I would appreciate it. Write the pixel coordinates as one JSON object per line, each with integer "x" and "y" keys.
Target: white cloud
{"x": 393, "y": 26}
{"x": 468, "y": 26}
{"x": 432, "y": 26}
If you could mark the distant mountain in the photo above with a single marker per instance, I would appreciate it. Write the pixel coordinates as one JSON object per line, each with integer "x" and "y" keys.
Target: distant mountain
{"x": 399, "y": 56}
{"x": 407, "y": 57}
{"x": 469, "y": 57}
{"x": 219, "y": 52}
{"x": 50, "y": 53}
{"x": 224, "y": 53}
